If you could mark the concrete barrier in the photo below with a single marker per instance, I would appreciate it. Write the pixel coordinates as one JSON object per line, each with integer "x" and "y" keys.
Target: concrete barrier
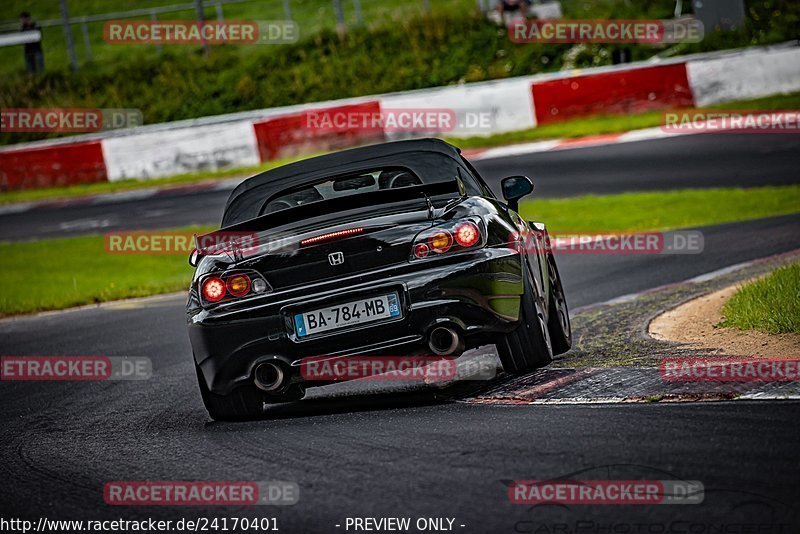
{"x": 172, "y": 152}
{"x": 52, "y": 166}
{"x": 316, "y": 130}
{"x": 618, "y": 92}
{"x": 745, "y": 76}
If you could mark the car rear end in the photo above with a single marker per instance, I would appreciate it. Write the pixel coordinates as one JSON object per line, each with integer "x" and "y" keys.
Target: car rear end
{"x": 429, "y": 275}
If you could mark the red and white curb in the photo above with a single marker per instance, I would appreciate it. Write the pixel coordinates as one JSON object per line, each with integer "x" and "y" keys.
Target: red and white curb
{"x": 523, "y": 149}
{"x": 612, "y": 385}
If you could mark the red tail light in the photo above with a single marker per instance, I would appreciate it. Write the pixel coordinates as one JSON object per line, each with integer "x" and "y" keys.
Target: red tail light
{"x": 421, "y": 250}
{"x": 449, "y": 238}
{"x": 330, "y": 236}
{"x": 232, "y": 285}
{"x": 214, "y": 289}
{"x": 467, "y": 234}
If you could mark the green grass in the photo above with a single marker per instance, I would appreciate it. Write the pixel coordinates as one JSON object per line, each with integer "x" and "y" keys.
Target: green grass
{"x": 60, "y": 273}
{"x": 662, "y": 210}
{"x": 771, "y": 304}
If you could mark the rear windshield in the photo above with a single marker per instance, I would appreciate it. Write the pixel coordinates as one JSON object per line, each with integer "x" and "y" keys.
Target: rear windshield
{"x": 306, "y": 183}
{"x": 341, "y": 186}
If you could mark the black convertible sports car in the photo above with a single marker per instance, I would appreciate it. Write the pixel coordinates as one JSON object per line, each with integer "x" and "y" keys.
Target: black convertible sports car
{"x": 392, "y": 249}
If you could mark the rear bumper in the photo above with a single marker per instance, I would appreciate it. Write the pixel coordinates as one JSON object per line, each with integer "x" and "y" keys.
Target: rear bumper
{"x": 476, "y": 293}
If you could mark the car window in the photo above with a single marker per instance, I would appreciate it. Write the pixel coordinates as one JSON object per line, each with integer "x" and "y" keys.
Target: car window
{"x": 344, "y": 185}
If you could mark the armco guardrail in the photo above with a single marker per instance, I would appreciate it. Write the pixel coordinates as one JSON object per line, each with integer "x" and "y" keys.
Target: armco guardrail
{"x": 245, "y": 139}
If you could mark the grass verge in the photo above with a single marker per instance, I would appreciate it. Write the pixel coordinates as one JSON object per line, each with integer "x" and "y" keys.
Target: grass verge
{"x": 60, "y": 273}
{"x": 771, "y": 304}
{"x": 664, "y": 210}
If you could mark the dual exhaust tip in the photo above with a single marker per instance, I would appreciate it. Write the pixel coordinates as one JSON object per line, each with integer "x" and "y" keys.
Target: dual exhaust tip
{"x": 269, "y": 376}
{"x": 442, "y": 341}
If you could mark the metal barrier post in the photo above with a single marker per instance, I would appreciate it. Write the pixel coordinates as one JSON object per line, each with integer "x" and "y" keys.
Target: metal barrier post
{"x": 73, "y": 58}
{"x": 153, "y": 19}
{"x": 359, "y": 14}
{"x": 341, "y": 28}
{"x": 86, "y": 43}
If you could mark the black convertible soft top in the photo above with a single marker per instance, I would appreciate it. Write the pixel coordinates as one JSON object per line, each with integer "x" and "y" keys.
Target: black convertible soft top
{"x": 432, "y": 159}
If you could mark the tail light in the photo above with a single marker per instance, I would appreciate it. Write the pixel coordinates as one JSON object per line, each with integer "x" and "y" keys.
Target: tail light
{"x": 441, "y": 241}
{"x": 213, "y": 289}
{"x": 448, "y": 238}
{"x": 467, "y": 234}
{"x": 230, "y": 286}
{"x": 238, "y": 285}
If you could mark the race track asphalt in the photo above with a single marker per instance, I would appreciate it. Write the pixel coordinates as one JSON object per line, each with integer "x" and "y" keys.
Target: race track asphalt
{"x": 414, "y": 452}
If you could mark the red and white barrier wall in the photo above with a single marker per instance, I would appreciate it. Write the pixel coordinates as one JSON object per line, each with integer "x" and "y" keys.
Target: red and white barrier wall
{"x": 246, "y": 139}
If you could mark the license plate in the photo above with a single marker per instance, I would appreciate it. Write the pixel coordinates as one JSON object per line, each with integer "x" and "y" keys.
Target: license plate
{"x": 348, "y": 314}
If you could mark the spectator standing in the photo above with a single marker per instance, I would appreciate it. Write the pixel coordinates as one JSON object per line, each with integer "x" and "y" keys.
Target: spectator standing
{"x": 512, "y": 9}
{"x": 34, "y": 57}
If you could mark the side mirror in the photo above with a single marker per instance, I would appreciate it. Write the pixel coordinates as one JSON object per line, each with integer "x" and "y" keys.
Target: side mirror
{"x": 514, "y": 188}
{"x": 194, "y": 257}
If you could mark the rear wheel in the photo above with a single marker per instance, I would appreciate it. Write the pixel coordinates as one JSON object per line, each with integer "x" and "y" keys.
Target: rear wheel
{"x": 558, "y": 323}
{"x": 244, "y": 402}
{"x": 528, "y": 346}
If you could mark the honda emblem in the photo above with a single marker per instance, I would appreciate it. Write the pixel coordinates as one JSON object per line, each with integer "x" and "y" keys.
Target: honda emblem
{"x": 336, "y": 258}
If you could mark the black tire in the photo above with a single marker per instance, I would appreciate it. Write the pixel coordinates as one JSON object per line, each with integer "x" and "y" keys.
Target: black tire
{"x": 244, "y": 402}
{"x": 558, "y": 323}
{"x": 528, "y": 346}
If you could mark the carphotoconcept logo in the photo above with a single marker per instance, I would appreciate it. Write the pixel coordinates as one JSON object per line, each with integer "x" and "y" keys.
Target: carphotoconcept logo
{"x": 67, "y": 120}
{"x": 249, "y": 32}
{"x": 75, "y": 368}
